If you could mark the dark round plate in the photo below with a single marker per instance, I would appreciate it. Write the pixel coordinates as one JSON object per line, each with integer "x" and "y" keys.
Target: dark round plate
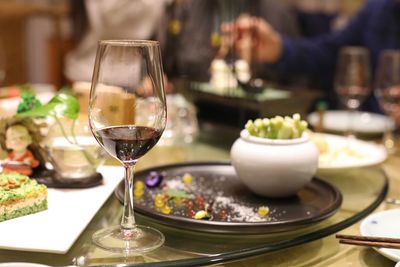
{"x": 234, "y": 208}
{"x": 51, "y": 179}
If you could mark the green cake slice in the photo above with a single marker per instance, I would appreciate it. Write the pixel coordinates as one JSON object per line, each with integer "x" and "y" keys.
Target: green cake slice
{"x": 20, "y": 195}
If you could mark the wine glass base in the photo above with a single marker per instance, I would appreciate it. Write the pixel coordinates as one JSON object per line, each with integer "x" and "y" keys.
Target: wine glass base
{"x": 141, "y": 239}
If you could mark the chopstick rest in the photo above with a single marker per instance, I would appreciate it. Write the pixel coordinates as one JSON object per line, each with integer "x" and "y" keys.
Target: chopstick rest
{"x": 370, "y": 241}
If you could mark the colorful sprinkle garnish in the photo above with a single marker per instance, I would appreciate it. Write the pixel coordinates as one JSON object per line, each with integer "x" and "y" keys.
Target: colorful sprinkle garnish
{"x": 191, "y": 213}
{"x": 138, "y": 185}
{"x": 178, "y": 201}
{"x": 189, "y": 204}
{"x": 223, "y": 215}
{"x": 179, "y": 196}
{"x": 174, "y": 193}
{"x": 166, "y": 210}
{"x": 138, "y": 193}
{"x": 159, "y": 201}
{"x": 202, "y": 215}
{"x": 138, "y": 189}
{"x": 160, "y": 197}
{"x": 154, "y": 179}
{"x": 263, "y": 211}
{"x": 187, "y": 178}
{"x": 200, "y": 201}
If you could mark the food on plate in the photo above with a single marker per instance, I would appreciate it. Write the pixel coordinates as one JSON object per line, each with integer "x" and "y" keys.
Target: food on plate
{"x": 263, "y": 211}
{"x": 20, "y": 196}
{"x": 321, "y": 143}
{"x": 344, "y": 154}
{"x": 336, "y": 153}
{"x": 278, "y": 127}
{"x": 202, "y": 215}
{"x": 154, "y": 179}
{"x": 184, "y": 195}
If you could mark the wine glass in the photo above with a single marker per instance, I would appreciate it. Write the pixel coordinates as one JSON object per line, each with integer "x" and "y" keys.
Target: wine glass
{"x": 387, "y": 90}
{"x": 352, "y": 80}
{"x": 125, "y": 73}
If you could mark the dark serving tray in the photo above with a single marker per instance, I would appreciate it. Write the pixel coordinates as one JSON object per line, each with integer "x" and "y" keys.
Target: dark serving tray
{"x": 233, "y": 206}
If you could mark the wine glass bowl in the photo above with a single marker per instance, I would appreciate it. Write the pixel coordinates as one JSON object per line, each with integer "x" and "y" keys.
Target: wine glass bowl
{"x": 389, "y": 98}
{"x": 387, "y": 90}
{"x": 125, "y": 73}
{"x": 352, "y": 79}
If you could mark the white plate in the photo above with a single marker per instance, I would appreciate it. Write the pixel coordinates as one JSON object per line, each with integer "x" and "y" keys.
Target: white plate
{"x": 343, "y": 152}
{"x": 383, "y": 224}
{"x": 364, "y": 122}
{"x": 56, "y": 229}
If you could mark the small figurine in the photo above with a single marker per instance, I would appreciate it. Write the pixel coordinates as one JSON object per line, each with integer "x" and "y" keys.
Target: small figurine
{"x": 20, "y": 159}
{"x": 20, "y": 138}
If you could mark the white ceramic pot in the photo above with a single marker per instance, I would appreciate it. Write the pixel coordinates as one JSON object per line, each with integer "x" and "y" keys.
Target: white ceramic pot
{"x": 274, "y": 168}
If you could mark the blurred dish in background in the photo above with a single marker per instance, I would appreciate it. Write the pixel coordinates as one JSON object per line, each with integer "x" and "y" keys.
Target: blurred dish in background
{"x": 364, "y": 122}
{"x": 383, "y": 224}
{"x": 339, "y": 152}
{"x": 182, "y": 125}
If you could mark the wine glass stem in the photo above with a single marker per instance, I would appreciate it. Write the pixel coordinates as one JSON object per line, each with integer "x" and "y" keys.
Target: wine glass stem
{"x": 350, "y": 126}
{"x": 128, "y": 218}
{"x": 388, "y": 139}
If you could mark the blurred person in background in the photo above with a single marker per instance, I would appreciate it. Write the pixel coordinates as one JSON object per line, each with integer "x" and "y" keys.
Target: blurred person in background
{"x": 317, "y": 17}
{"x": 376, "y": 26}
{"x": 193, "y": 38}
{"x": 94, "y": 20}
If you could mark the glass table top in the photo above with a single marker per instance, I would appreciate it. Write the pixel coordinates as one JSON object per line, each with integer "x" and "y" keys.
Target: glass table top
{"x": 363, "y": 189}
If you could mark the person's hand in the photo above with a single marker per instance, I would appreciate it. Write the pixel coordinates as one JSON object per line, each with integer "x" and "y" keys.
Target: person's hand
{"x": 256, "y": 39}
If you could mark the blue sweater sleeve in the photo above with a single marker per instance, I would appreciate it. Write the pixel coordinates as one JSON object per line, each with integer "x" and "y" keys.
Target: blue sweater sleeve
{"x": 317, "y": 56}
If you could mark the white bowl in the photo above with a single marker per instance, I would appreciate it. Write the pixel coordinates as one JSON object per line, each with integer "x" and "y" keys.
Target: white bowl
{"x": 274, "y": 168}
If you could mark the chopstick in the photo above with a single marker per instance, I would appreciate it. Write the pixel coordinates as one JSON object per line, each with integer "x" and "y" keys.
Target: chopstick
{"x": 370, "y": 241}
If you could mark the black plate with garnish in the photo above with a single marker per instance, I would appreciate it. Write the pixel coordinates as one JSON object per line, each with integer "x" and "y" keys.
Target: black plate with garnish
{"x": 213, "y": 193}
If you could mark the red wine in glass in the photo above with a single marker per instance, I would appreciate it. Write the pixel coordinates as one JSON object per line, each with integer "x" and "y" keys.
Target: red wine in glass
{"x": 128, "y": 143}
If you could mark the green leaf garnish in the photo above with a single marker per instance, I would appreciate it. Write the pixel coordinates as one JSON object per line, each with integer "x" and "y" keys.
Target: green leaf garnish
{"x": 173, "y": 193}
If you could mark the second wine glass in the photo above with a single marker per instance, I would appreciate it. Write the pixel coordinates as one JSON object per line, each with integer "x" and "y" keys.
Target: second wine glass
{"x": 352, "y": 80}
{"x": 387, "y": 90}
{"x": 126, "y": 73}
